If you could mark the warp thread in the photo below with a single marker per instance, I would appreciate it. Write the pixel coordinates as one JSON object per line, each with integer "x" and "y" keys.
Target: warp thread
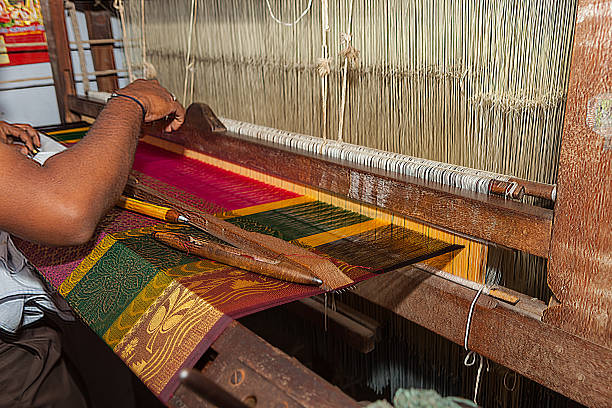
{"x": 120, "y": 7}
{"x": 189, "y": 64}
{"x": 148, "y": 70}
{"x": 351, "y": 53}
{"x": 324, "y": 64}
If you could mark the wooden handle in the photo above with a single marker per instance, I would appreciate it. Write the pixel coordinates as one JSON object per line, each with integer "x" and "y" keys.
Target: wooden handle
{"x": 148, "y": 209}
{"x": 238, "y": 258}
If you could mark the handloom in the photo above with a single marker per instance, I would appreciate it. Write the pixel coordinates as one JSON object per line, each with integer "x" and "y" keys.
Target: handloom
{"x": 499, "y": 110}
{"x": 160, "y": 308}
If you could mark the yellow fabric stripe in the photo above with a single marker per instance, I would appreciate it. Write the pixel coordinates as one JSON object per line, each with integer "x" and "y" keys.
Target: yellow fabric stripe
{"x": 339, "y": 233}
{"x": 86, "y": 264}
{"x": 61, "y": 132}
{"x": 269, "y": 206}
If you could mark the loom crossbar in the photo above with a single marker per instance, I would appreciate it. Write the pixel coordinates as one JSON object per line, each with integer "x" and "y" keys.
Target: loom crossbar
{"x": 489, "y": 218}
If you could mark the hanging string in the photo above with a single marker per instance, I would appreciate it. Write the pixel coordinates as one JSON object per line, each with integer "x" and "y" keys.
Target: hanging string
{"x": 351, "y": 55}
{"x": 470, "y": 358}
{"x": 469, "y": 361}
{"x": 148, "y": 70}
{"x": 324, "y": 63}
{"x": 189, "y": 64}
{"x": 119, "y": 6}
{"x": 306, "y": 10}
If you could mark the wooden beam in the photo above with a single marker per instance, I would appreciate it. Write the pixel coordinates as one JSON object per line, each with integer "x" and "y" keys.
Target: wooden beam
{"x": 580, "y": 267}
{"x": 83, "y": 106}
{"x": 99, "y": 28}
{"x": 254, "y": 371}
{"x": 489, "y": 218}
{"x": 563, "y": 362}
{"x": 59, "y": 56}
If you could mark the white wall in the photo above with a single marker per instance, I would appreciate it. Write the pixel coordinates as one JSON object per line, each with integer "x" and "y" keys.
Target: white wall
{"x": 35, "y": 102}
{"x": 34, "y": 105}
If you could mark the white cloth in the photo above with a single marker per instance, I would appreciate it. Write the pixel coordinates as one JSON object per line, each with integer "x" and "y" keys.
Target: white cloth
{"x": 48, "y": 148}
{"x": 23, "y": 296}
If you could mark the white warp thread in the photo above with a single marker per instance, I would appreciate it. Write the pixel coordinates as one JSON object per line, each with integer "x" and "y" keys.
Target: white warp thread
{"x": 423, "y": 169}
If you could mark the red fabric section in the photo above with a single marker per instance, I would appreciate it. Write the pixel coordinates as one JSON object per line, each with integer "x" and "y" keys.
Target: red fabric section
{"x": 26, "y": 55}
{"x": 229, "y": 190}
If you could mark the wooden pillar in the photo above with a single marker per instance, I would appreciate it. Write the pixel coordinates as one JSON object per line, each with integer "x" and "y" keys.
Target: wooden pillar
{"x": 99, "y": 28}
{"x": 59, "y": 56}
{"x": 580, "y": 260}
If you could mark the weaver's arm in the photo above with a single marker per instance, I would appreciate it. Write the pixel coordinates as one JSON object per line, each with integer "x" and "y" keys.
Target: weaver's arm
{"x": 61, "y": 202}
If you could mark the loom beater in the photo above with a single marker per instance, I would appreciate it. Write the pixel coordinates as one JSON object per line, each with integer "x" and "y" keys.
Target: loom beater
{"x": 278, "y": 267}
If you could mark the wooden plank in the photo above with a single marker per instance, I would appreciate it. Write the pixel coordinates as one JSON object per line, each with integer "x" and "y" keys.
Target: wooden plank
{"x": 83, "y": 106}
{"x": 253, "y": 370}
{"x": 59, "y": 56}
{"x": 566, "y": 363}
{"x": 99, "y": 28}
{"x": 489, "y": 218}
{"x": 580, "y": 268}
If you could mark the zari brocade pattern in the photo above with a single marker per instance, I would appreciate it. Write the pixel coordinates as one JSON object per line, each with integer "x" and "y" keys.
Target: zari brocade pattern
{"x": 159, "y": 309}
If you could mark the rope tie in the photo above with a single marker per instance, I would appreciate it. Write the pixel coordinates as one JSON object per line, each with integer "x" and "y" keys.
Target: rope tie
{"x": 470, "y": 358}
{"x": 324, "y": 66}
{"x": 350, "y": 53}
{"x": 297, "y": 20}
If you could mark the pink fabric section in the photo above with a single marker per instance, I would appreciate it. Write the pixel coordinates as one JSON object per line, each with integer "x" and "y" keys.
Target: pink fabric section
{"x": 229, "y": 190}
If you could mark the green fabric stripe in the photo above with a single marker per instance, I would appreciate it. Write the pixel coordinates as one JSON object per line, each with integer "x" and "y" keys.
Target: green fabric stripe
{"x": 299, "y": 221}
{"x": 109, "y": 287}
{"x": 70, "y": 136}
{"x": 383, "y": 247}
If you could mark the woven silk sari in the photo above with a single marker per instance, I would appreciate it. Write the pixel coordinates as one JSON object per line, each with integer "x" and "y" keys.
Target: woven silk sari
{"x": 159, "y": 309}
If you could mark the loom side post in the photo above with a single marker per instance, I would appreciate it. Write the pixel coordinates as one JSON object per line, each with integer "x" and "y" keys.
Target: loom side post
{"x": 580, "y": 260}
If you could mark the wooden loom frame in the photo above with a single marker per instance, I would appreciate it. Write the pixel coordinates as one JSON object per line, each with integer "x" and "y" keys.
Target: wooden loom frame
{"x": 566, "y": 347}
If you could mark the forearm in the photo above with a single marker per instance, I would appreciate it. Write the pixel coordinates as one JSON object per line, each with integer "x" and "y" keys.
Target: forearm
{"x": 96, "y": 168}
{"x": 93, "y": 173}
{"x": 61, "y": 202}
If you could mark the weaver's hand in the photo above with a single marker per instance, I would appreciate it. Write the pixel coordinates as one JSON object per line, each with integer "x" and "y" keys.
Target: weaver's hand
{"x": 157, "y": 101}
{"x": 26, "y": 134}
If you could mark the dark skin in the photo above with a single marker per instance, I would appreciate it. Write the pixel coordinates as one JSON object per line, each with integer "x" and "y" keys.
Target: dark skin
{"x": 21, "y": 136}
{"x": 61, "y": 202}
